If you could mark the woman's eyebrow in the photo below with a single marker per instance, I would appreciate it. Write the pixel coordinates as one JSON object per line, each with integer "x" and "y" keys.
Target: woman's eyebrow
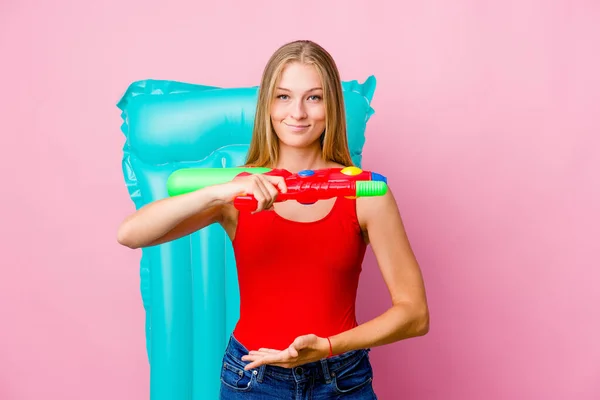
{"x": 310, "y": 90}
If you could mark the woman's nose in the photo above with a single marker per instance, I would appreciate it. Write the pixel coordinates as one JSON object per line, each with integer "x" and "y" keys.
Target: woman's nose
{"x": 298, "y": 110}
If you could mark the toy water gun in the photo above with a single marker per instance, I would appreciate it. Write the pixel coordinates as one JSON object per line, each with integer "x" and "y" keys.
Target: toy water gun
{"x": 306, "y": 187}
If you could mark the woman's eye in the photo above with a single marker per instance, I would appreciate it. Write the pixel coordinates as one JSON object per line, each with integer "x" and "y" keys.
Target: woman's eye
{"x": 311, "y": 98}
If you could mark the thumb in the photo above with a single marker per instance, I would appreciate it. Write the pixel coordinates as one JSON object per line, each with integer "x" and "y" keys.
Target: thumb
{"x": 292, "y": 350}
{"x": 298, "y": 344}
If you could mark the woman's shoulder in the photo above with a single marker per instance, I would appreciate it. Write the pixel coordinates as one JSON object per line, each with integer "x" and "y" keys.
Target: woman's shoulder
{"x": 333, "y": 164}
{"x": 371, "y": 209}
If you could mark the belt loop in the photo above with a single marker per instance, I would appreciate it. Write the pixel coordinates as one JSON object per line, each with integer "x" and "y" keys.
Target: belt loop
{"x": 325, "y": 367}
{"x": 261, "y": 373}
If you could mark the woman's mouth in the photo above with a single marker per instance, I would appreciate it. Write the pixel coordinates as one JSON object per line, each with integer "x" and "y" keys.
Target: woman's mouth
{"x": 298, "y": 128}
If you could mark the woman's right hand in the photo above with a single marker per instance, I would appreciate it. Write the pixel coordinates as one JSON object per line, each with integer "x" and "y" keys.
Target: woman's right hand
{"x": 264, "y": 188}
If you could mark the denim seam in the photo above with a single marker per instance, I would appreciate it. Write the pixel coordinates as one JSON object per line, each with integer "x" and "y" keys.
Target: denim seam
{"x": 355, "y": 358}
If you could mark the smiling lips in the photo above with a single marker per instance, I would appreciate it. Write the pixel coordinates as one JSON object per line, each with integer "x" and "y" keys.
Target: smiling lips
{"x": 297, "y": 128}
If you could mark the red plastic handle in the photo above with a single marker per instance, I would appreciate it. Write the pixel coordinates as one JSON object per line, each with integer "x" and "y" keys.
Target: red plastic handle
{"x": 245, "y": 203}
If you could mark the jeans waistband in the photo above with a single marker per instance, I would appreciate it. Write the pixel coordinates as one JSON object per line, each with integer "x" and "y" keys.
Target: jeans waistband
{"x": 325, "y": 367}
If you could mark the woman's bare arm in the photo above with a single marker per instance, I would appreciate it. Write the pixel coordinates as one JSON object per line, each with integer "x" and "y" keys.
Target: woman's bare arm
{"x": 174, "y": 217}
{"x": 171, "y": 218}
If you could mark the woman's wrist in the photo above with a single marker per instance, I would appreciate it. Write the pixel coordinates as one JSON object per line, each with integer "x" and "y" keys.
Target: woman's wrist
{"x": 326, "y": 347}
{"x": 215, "y": 195}
{"x": 224, "y": 193}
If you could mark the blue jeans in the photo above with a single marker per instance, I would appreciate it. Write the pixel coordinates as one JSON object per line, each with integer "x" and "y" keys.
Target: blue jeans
{"x": 345, "y": 376}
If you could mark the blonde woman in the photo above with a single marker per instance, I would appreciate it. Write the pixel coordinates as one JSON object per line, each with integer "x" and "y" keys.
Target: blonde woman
{"x": 299, "y": 265}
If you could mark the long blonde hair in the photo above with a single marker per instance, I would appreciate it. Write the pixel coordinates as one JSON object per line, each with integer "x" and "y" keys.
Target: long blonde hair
{"x": 264, "y": 146}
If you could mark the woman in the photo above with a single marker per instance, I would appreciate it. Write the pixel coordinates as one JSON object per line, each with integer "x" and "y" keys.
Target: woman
{"x": 299, "y": 265}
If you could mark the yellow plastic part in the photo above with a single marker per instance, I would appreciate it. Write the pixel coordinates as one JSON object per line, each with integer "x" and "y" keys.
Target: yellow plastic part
{"x": 351, "y": 171}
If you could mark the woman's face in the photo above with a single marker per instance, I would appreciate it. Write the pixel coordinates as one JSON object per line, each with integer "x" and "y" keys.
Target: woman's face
{"x": 298, "y": 111}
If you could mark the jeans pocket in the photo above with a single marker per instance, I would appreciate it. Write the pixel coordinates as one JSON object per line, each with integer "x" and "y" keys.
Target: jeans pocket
{"x": 236, "y": 377}
{"x": 354, "y": 376}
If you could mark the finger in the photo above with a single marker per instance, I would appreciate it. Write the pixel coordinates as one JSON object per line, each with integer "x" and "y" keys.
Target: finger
{"x": 293, "y": 351}
{"x": 269, "y": 350}
{"x": 273, "y": 183}
{"x": 267, "y": 191}
{"x": 260, "y": 193}
{"x": 276, "y": 358}
{"x": 259, "y": 202}
{"x": 259, "y": 353}
{"x": 260, "y": 361}
{"x": 278, "y": 181}
{"x": 253, "y": 357}
{"x": 263, "y": 351}
{"x": 272, "y": 191}
{"x": 299, "y": 343}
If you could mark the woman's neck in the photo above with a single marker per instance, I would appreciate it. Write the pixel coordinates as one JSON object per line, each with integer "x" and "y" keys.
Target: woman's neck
{"x": 294, "y": 159}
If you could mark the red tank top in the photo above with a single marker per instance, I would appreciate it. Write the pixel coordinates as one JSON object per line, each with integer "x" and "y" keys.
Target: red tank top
{"x": 297, "y": 278}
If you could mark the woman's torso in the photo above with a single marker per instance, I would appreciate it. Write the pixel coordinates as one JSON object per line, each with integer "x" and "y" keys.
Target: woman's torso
{"x": 298, "y": 269}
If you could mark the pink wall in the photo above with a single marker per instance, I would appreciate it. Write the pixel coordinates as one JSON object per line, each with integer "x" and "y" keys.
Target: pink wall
{"x": 486, "y": 124}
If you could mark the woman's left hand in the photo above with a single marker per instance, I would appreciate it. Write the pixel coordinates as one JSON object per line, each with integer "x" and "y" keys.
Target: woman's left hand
{"x": 304, "y": 349}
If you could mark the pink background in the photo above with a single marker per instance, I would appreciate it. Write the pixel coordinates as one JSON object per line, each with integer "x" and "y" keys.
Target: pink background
{"x": 486, "y": 124}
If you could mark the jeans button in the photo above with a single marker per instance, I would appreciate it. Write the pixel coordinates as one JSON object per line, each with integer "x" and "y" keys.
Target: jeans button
{"x": 299, "y": 371}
